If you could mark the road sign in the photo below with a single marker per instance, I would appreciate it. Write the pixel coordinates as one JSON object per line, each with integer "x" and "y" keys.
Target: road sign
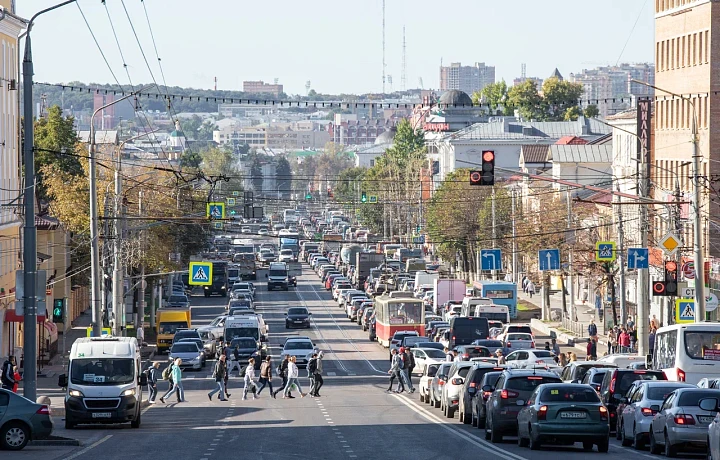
{"x": 711, "y": 302}
{"x": 638, "y": 258}
{"x": 218, "y": 225}
{"x": 419, "y": 239}
{"x": 684, "y": 311}
{"x": 308, "y": 196}
{"x": 372, "y": 199}
{"x": 200, "y": 273}
{"x": 549, "y": 259}
{"x": 235, "y": 193}
{"x": 105, "y": 331}
{"x": 688, "y": 269}
{"x": 231, "y": 201}
{"x": 669, "y": 244}
{"x": 490, "y": 259}
{"x": 605, "y": 251}
{"x": 215, "y": 210}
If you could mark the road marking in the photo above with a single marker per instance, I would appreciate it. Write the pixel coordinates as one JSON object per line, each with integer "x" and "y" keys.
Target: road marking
{"x": 88, "y": 448}
{"x": 490, "y": 448}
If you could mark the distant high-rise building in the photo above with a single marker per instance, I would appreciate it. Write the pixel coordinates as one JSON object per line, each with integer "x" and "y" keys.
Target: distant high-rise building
{"x": 467, "y": 79}
{"x": 520, "y": 80}
{"x": 260, "y": 87}
{"x": 607, "y": 86}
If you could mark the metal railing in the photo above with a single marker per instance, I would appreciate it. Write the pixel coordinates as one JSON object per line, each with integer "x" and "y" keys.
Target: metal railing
{"x": 575, "y": 327}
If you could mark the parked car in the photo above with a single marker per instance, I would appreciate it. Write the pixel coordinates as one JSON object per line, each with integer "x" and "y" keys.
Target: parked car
{"x": 681, "y": 422}
{"x": 564, "y": 413}
{"x": 22, "y": 420}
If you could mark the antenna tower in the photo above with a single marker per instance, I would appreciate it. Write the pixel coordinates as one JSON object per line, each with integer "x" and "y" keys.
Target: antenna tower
{"x": 383, "y": 47}
{"x": 307, "y": 87}
{"x": 523, "y": 71}
{"x": 403, "y": 77}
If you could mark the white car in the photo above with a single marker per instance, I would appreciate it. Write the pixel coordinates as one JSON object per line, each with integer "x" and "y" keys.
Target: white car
{"x": 340, "y": 293}
{"x": 425, "y": 357}
{"x": 216, "y": 327}
{"x": 522, "y": 359}
{"x": 300, "y": 347}
{"x": 454, "y": 311}
{"x": 286, "y": 255}
{"x": 519, "y": 341}
{"x": 425, "y": 380}
{"x": 245, "y": 230}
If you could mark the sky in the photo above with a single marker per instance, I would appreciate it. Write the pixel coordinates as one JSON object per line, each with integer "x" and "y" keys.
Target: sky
{"x": 336, "y": 45}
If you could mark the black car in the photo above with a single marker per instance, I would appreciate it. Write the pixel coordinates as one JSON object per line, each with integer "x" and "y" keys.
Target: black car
{"x": 471, "y": 386}
{"x": 247, "y": 347}
{"x": 492, "y": 345}
{"x": 594, "y": 377}
{"x": 617, "y": 382}
{"x": 297, "y": 317}
{"x": 467, "y": 352}
{"x": 485, "y": 389}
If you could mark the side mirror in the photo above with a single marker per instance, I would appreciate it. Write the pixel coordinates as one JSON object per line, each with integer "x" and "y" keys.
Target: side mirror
{"x": 63, "y": 380}
{"x": 520, "y": 402}
{"x": 656, "y": 407}
{"x": 285, "y": 314}
{"x": 709, "y": 404}
{"x": 143, "y": 380}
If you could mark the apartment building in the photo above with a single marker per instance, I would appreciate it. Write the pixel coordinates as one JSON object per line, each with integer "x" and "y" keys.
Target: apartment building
{"x": 467, "y": 79}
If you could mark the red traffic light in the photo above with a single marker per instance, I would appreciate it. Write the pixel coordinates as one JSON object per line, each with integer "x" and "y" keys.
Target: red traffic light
{"x": 488, "y": 155}
{"x": 658, "y": 288}
{"x": 670, "y": 265}
{"x": 475, "y": 177}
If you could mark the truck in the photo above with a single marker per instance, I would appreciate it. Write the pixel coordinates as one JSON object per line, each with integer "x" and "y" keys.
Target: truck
{"x": 364, "y": 262}
{"x": 104, "y": 382}
{"x": 445, "y": 290}
{"x": 427, "y": 278}
{"x": 219, "y": 279}
{"x": 243, "y": 268}
{"x": 403, "y": 254}
{"x": 415, "y": 265}
{"x": 168, "y": 320}
{"x": 278, "y": 276}
{"x": 332, "y": 242}
{"x": 294, "y": 270}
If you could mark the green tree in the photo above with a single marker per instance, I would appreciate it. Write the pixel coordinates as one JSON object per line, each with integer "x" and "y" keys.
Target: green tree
{"x": 190, "y": 127}
{"x": 190, "y": 159}
{"x": 495, "y": 95}
{"x": 256, "y": 175}
{"x": 217, "y": 162}
{"x": 528, "y": 101}
{"x": 55, "y": 144}
{"x": 572, "y": 113}
{"x": 205, "y": 131}
{"x": 283, "y": 176}
{"x": 348, "y": 184}
{"x": 559, "y": 96}
{"x": 592, "y": 111}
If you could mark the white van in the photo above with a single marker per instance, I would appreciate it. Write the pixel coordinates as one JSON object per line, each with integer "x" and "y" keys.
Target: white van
{"x": 104, "y": 382}
{"x": 469, "y": 303}
{"x": 688, "y": 352}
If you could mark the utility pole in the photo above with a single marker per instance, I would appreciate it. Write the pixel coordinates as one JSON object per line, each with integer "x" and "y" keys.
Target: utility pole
{"x": 677, "y": 225}
{"x": 494, "y": 230}
{"x": 643, "y": 303}
{"x": 570, "y": 240}
{"x": 117, "y": 280}
{"x": 698, "y": 230}
{"x": 103, "y": 263}
{"x": 621, "y": 263}
{"x": 514, "y": 241}
{"x": 140, "y": 314}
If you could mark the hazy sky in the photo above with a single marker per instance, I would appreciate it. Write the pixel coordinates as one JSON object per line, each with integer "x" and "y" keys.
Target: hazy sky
{"x": 336, "y": 44}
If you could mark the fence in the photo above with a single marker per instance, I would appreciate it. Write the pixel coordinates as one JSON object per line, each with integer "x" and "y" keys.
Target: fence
{"x": 575, "y": 327}
{"x": 79, "y": 302}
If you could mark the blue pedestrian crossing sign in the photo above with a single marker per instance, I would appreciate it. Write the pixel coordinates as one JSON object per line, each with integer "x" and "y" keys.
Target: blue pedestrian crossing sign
{"x": 605, "y": 251}
{"x": 200, "y": 273}
{"x": 638, "y": 258}
{"x": 490, "y": 259}
{"x": 549, "y": 259}
{"x": 231, "y": 201}
{"x": 215, "y": 210}
{"x": 684, "y": 311}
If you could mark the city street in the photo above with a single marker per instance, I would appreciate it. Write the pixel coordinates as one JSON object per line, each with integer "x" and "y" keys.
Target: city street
{"x": 354, "y": 418}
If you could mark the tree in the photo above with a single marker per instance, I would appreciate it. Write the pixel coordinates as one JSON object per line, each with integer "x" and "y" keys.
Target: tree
{"x": 559, "y": 96}
{"x": 217, "y": 162}
{"x": 190, "y": 159}
{"x": 494, "y": 95}
{"x": 283, "y": 176}
{"x": 256, "y": 175}
{"x": 572, "y": 113}
{"x": 348, "y": 184}
{"x": 205, "y": 131}
{"x": 55, "y": 144}
{"x": 592, "y": 111}
{"x": 526, "y": 98}
{"x": 190, "y": 127}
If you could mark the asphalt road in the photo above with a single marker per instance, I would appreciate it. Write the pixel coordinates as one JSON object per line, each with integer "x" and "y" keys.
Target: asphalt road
{"x": 354, "y": 418}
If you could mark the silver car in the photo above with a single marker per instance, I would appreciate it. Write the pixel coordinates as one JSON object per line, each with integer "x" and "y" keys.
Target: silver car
{"x": 437, "y": 382}
{"x": 22, "y": 420}
{"x": 681, "y": 423}
{"x": 191, "y": 355}
{"x": 713, "y": 441}
{"x": 519, "y": 341}
{"x": 643, "y": 402}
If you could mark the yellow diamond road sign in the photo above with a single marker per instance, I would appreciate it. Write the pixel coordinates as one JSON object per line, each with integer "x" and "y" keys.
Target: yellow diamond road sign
{"x": 670, "y": 244}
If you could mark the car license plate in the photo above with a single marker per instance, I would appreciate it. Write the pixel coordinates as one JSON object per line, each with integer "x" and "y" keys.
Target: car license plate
{"x": 705, "y": 418}
{"x": 298, "y": 321}
{"x": 573, "y": 415}
{"x": 101, "y": 415}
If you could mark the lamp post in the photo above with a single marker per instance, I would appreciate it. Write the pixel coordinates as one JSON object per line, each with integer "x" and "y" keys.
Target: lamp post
{"x": 696, "y": 215}
{"x": 29, "y": 230}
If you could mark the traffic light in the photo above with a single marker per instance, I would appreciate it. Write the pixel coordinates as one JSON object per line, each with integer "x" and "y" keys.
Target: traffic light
{"x": 659, "y": 289}
{"x": 59, "y": 311}
{"x": 475, "y": 177}
{"x": 308, "y": 196}
{"x": 671, "y": 276}
{"x": 363, "y": 197}
{"x": 488, "y": 168}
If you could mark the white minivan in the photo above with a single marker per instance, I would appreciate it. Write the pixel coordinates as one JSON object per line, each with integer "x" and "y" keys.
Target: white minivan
{"x": 104, "y": 382}
{"x": 688, "y": 352}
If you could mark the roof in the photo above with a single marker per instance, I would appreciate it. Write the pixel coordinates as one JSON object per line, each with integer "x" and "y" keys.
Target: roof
{"x": 87, "y": 347}
{"x": 586, "y": 128}
{"x": 571, "y": 140}
{"x": 46, "y": 223}
{"x": 604, "y": 139}
{"x": 580, "y": 153}
{"x": 556, "y": 74}
{"x": 101, "y": 137}
{"x": 534, "y": 153}
{"x": 455, "y": 98}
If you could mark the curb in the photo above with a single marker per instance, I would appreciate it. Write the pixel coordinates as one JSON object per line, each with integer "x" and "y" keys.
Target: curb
{"x": 55, "y": 441}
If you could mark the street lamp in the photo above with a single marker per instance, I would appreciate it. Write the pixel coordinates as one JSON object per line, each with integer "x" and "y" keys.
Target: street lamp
{"x": 697, "y": 231}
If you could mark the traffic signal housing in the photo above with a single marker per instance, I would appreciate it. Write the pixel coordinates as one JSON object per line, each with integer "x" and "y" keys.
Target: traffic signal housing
{"x": 363, "y": 197}
{"x": 671, "y": 277}
{"x": 59, "y": 311}
{"x": 488, "y": 168}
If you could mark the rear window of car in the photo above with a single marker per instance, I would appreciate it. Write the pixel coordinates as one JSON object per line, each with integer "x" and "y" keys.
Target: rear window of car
{"x": 401, "y": 335}
{"x": 598, "y": 377}
{"x": 463, "y": 371}
{"x": 530, "y": 382}
{"x": 627, "y": 378}
{"x": 519, "y": 337}
{"x": 481, "y": 371}
{"x": 491, "y": 378}
{"x": 297, "y": 311}
{"x": 544, "y": 354}
{"x": 525, "y": 329}
{"x": 561, "y": 394}
{"x": 659, "y": 393}
{"x": 692, "y": 398}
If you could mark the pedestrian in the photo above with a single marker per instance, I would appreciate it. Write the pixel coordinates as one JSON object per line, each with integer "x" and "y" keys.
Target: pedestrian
{"x": 219, "y": 375}
{"x": 624, "y": 341}
{"x": 395, "y": 363}
{"x": 630, "y": 323}
{"x": 530, "y": 289}
{"x": 7, "y": 378}
{"x": 266, "y": 376}
{"x": 547, "y": 346}
{"x": 234, "y": 360}
{"x": 17, "y": 377}
{"x": 651, "y": 341}
{"x": 562, "y": 360}
{"x": 177, "y": 382}
{"x": 226, "y": 379}
{"x": 153, "y": 374}
{"x": 555, "y": 347}
{"x": 318, "y": 374}
{"x": 592, "y": 329}
{"x": 612, "y": 341}
{"x": 405, "y": 372}
{"x": 654, "y": 323}
{"x": 592, "y": 349}
{"x": 167, "y": 375}
{"x": 573, "y": 357}
{"x": 311, "y": 367}
{"x": 140, "y": 335}
{"x": 249, "y": 378}
{"x": 448, "y": 355}
{"x": 293, "y": 374}
{"x": 633, "y": 339}
{"x": 500, "y": 357}
{"x": 282, "y": 371}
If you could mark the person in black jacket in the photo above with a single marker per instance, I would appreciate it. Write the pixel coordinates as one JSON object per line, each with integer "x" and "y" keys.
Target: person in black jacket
{"x": 283, "y": 372}
{"x": 7, "y": 378}
{"x": 153, "y": 377}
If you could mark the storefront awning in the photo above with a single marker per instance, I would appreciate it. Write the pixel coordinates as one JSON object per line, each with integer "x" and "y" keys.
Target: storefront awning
{"x": 12, "y": 317}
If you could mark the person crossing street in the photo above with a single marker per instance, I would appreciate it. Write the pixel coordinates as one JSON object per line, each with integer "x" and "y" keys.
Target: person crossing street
{"x": 219, "y": 376}
{"x": 266, "y": 376}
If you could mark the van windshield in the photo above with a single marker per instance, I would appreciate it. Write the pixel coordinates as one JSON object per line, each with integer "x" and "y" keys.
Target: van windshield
{"x": 171, "y": 327}
{"x": 105, "y": 371}
{"x": 231, "y": 333}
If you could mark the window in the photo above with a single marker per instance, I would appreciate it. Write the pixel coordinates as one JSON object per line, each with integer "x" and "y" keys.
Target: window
{"x": 665, "y": 347}
{"x": 707, "y": 45}
{"x": 668, "y": 402}
{"x": 659, "y": 393}
{"x": 702, "y": 345}
{"x": 578, "y": 395}
{"x": 4, "y": 399}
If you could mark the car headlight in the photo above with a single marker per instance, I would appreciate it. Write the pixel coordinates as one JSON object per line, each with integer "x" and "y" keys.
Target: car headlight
{"x": 128, "y": 392}
{"x": 76, "y": 393}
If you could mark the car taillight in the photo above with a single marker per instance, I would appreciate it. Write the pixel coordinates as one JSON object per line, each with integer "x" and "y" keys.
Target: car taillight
{"x": 486, "y": 394}
{"x": 44, "y": 410}
{"x": 532, "y": 344}
{"x": 539, "y": 361}
{"x": 457, "y": 381}
{"x": 466, "y": 355}
{"x": 509, "y": 345}
{"x": 542, "y": 413}
{"x": 505, "y": 394}
{"x": 680, "y": 375}
{"x": 646, "y": 411}
{"x": 441, "y": 382}
{"x": 685, "y": 419}
{"x": 612, "y": 384}
{"x": 603, "y": 413}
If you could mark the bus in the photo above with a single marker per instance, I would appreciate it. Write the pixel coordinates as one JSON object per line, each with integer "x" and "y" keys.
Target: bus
{"x": 500, "y": 292}
{"x": 688, "y": 352}
{"x": 493, "y": 313}
{"x": 394, "y": 314}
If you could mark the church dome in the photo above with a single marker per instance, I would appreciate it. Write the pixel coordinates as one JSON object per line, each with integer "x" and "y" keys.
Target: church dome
{"x": 455, "y": 98}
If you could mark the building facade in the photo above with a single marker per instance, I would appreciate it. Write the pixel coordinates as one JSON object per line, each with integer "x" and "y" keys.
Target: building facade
{"x": 467, "y": 79}
{"x": 605, "y": 86}
{"x": 260, "y": 87}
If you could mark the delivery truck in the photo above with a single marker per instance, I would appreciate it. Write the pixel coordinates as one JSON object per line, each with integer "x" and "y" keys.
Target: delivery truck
{"x": 169, "y": 320}
{"x": 446, "y": 290}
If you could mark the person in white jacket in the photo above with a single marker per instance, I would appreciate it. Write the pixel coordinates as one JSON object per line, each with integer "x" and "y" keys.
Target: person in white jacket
{"x": 250, "y": 380}
{"x": 293, "y": 374}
